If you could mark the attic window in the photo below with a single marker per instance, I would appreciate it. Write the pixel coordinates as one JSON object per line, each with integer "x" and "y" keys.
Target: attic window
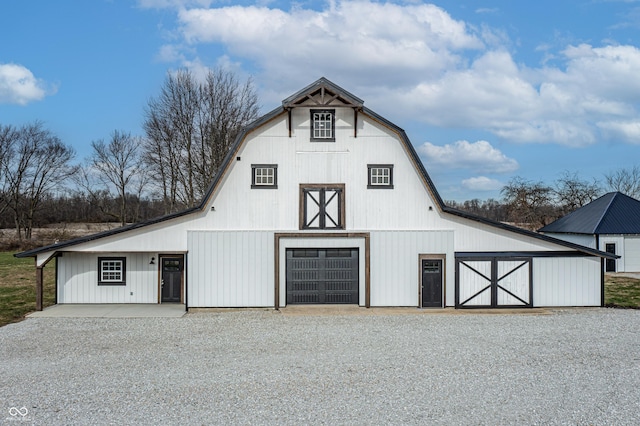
{"x": 112, "y": 270}
{"x": 323, "y": 125}
{"x": 380, "y": 176}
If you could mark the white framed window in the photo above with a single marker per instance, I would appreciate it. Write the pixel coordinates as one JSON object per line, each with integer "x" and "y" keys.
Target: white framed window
{"x": 264, "y": 176}
{"x": 323, "y": 125}
{"x": 112, "y": 270}
{"x": 380, "y": 176}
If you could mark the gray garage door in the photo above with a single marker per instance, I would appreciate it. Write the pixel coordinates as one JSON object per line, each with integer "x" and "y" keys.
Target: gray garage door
{"x": 322, "y": 276}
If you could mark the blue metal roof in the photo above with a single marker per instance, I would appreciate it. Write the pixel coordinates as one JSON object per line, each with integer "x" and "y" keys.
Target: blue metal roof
{"x": 613, "y": 213}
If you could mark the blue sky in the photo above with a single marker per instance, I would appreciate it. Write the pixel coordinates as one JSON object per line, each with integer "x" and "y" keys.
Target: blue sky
{"x": 486, "y": 90}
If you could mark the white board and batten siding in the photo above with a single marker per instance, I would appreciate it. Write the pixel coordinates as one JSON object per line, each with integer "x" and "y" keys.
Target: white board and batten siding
{"x": 78, "y": 279}
{"x": 236, "y": 268}
{"x": 230, "y": 268}
{"x": 586, "y": 240}
{"x": 562, "y": 281}
{"x": 632, "y": 253}
{"x": 395, "y": 265}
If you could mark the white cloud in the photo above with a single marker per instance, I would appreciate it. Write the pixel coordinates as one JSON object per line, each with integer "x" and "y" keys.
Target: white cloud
{"x": 352, "y": 38}
{"x": 478, "y": 156}
{"x": 628, "y": 131}
{"x": 418, "y": 62}
{"x": 482, "y": 183}
{"x": 19, "y": 86}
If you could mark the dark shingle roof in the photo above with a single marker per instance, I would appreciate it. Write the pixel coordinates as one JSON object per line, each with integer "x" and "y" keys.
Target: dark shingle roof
{"x": 613, "y": 213}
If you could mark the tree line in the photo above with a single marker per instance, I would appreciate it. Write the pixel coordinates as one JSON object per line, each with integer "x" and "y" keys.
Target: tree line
{"x": 534, "y": 204}
{"x": 189, "y": 128}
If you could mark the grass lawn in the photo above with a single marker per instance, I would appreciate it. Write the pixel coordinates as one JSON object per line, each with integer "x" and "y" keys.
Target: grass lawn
{"x": 18, "y": 287}
{"x": 622, "y": 292}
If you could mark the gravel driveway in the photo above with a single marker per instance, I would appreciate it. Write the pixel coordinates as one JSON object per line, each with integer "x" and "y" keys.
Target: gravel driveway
{"x": 579, "y": 366}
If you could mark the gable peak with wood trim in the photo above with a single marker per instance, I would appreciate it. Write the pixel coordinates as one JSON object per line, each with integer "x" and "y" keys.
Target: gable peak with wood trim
{"x": 322, "y": 93}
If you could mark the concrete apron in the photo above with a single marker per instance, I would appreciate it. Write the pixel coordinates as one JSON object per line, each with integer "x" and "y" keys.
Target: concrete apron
{"x": 164, "y": 310}
{"x": 357, "y": 310}
{"x": 341, "y": 310}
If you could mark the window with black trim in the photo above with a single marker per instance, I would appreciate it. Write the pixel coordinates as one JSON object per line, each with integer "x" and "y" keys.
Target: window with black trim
{"x": 264, "y": 176}
{"x": 112, "y": 270}
{"x": 322, "y": 206}
{"x": 380, "y": 176}
{"x": 323, "y": 125}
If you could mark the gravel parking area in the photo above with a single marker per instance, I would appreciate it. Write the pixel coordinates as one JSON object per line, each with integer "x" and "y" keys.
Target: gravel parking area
{"x": 576, "y": 366}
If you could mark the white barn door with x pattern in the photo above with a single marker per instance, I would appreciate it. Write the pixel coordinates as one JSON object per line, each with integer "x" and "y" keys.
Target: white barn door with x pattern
{"x": 493, "y": 282}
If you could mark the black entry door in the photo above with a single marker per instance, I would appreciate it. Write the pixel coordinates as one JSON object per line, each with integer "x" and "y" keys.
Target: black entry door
{"x": 171, "y": 283}
{"x": 611, "y": 263}
{"x": 432, "y": 283}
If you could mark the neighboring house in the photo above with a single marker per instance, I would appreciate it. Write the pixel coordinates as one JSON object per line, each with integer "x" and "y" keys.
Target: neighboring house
{"x": 324, "y": 201}
{"x": 611, "y": 223}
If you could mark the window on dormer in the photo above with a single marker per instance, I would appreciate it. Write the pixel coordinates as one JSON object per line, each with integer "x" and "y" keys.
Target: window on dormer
{"x": 323, "y": 125}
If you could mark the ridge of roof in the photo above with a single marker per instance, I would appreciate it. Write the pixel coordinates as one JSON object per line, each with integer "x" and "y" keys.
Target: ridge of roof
{"x": 605, "y": 211}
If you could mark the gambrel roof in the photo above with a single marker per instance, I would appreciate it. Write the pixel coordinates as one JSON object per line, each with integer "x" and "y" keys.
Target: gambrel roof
{"x": 613, "y": 213}
{"x": 321, "y": 93}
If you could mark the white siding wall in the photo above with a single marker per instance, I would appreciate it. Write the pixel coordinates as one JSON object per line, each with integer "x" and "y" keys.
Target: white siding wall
{"x": 632, "y": 254}
{"x": 230, "y": 269}
{"x": 78, "y": 279}
{"x": 237, "y": 206}
{"x": 566, "y": 281}
{"x": 395, "y": 266}
{"x": 583, "y": 240}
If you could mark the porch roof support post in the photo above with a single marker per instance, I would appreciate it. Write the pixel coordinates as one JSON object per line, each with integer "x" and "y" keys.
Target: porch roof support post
{"x": 39, "y": 287}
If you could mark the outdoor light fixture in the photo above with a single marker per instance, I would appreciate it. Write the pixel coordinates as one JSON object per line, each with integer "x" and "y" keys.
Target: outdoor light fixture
{"x": 153, "y": 261}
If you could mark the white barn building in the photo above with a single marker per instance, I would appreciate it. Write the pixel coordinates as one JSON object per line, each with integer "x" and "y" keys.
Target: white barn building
{"x": 610, "y": 223}
{"x": 324, "y": 201}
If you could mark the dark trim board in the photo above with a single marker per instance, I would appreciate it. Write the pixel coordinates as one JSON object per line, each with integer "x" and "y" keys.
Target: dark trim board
{"x": 305, "y": 235}
{"x": 501, "y": 254}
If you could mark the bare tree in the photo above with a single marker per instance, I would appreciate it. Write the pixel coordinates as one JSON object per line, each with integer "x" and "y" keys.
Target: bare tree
{"x": 626, "y": 181}
{"x": 8, "y": 136}
{"x": 572, "y": 192}
{"x": 36, "y": 164}
{"x": 116, "y": 166}
{"x": 190, "y": 127}
{"x": 528, "y": 203}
